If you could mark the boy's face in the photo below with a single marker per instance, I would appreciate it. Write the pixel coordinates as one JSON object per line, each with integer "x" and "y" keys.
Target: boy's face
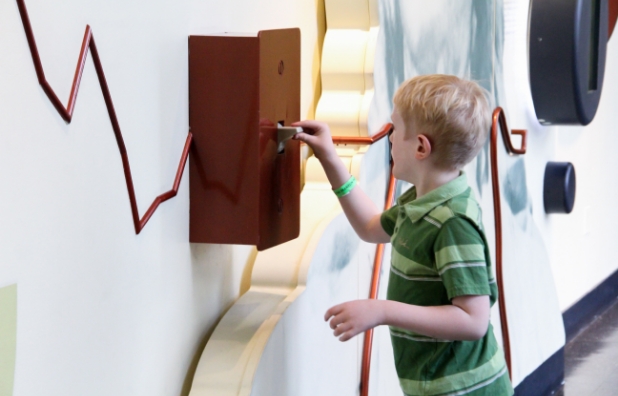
{"x": 404, "y": 141}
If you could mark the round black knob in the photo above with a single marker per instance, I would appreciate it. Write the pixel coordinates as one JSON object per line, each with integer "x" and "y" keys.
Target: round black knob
{"x": 559, "y": 187}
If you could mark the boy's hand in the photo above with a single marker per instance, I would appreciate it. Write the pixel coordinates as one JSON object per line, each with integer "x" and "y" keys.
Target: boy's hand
{"x": 317, "y": 135}
{"x": 363, "y": 214}
{"x": 354, "y": 317}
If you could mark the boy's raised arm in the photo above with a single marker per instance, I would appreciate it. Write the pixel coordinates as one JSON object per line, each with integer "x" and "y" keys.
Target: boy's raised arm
{"x": 363, "y": 214}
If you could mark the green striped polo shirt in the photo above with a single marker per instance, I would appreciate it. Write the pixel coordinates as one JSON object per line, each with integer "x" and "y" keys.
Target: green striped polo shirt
{"x": 440, "y": 252}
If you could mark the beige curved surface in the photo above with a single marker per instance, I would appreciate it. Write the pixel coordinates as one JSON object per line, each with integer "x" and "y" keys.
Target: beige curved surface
{"x": 347, "y": 66}
{"x": 232, "y": 356}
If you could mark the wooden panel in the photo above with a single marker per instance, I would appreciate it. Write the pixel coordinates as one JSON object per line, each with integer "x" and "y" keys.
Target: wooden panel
{"x": 279, "y": 102}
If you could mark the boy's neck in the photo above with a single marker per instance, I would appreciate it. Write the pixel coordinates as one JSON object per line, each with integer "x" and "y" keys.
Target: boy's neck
{"x": 433, "y": 179}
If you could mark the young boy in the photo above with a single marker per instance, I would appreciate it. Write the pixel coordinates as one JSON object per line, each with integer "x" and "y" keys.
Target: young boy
{"x": 441, "y": 285}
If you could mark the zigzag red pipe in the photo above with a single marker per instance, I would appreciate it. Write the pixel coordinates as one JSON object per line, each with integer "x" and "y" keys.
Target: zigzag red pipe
{"x": 67, "y": 113}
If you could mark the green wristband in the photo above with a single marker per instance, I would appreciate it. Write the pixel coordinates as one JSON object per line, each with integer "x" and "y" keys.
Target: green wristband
{"x": 346, "y": 188}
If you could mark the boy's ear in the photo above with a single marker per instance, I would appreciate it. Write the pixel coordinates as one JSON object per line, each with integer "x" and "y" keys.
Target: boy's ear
{"x": 423, "y": 147}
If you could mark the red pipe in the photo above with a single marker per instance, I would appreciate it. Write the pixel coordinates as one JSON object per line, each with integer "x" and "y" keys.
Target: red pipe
{"x": 377, "y": 263}
{"x": 369, "y": 140}
{"x": 67, "y": 113}
{"x": 499, "y": 119}
{"x": 373, "y": 294}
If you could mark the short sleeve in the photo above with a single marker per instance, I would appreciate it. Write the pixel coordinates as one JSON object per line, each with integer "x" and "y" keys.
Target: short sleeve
{"x": 460, "y": 259}
{"x": 388, "y": 219}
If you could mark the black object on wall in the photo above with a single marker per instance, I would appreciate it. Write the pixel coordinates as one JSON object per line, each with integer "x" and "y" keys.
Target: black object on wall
{"x": 568, "y": 42}
{"x": 559, "y": 187}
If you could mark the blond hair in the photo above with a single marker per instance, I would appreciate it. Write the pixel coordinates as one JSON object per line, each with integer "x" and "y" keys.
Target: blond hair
{"x": 453, "y": 113}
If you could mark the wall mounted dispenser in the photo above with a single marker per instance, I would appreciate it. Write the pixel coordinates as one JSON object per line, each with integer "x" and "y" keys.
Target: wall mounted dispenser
{"x": 244, "y": 178}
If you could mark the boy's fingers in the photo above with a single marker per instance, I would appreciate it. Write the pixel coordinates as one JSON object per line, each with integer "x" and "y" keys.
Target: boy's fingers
{"x": 332, "y": 311}
{"x": 309, "y": 124}
{"x": 304, "y": 137}
{"x": 346, "y": 336}
{"x": 337, "y": 320}
{"x": 342, "y": 329}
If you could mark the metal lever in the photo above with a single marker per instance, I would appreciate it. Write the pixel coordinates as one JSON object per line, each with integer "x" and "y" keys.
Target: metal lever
{"x": 284, "y": 134}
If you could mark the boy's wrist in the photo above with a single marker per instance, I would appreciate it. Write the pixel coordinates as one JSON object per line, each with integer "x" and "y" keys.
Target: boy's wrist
{"x": 330, "y": 159}
{"x": 377, "y": 309}
{"x": 385, "y": 306}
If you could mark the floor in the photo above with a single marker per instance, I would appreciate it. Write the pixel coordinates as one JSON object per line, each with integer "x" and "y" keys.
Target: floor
{"x": 591, "y": 359}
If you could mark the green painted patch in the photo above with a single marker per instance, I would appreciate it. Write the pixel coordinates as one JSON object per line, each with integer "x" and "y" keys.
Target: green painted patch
{"x": 8, "y": 338}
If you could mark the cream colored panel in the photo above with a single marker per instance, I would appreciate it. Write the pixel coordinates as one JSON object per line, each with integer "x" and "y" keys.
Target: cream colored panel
{"x": 340, "y": 109}
{"x": 347, "y": 14}
{"x": 374, "y": 13}
{"x": 228, "y": 352}
{"x": 363, "y": 114}
{"x": 347, "y": 65}
{"x": 315, "y": 172}
{"x": 230, "y": 359}
{"x": 344, "y": 59}
{"x": 370, "y": 54}
{"x": 356, "y": 160}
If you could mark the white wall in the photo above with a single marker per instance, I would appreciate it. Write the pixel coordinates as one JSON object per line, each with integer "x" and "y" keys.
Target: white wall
{"x": 102, "y": 311}
{"x": 584, "y": 242}
{"x": 581, "y": 245}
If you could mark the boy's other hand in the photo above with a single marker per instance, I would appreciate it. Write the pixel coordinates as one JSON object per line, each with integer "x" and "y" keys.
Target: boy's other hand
{"x": 354, "y": 317}
{"x": 317, "y": 136}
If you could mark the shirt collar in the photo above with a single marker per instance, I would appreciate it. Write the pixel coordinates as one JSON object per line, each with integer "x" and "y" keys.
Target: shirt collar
{"x": 416, "y": 209}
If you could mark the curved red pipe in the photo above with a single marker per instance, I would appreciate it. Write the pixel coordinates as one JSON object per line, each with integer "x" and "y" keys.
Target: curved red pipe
{"x": 67, "y": 113}
{"x": 377, "y": 263}
{"x": 369, "y": 140}
{"x": 499, "y": 121}
{"x": 373, "y": 293}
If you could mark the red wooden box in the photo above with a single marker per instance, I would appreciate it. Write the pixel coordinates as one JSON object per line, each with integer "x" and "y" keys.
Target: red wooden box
{"x": 242, "y": 190}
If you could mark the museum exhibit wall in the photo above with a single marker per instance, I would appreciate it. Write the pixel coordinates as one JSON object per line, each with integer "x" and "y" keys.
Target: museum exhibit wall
{"x": 101, "y": 310}
{"x": 89, "y": 307}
